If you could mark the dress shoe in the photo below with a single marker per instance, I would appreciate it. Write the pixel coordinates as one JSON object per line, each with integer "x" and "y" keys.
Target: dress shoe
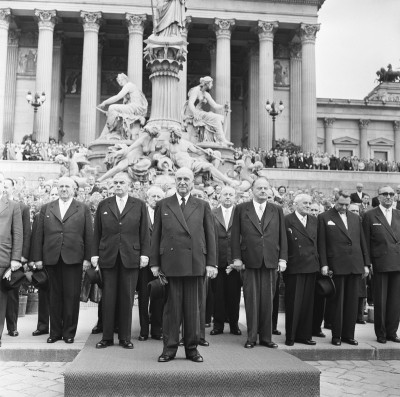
{"x": 271, "y": 345}
{"x": 196, "y": 358}
{"x": 361, "y": 322}
{"x": 52, "y": 339}
{"x": 381, "y": 339}
{"x": 216, "y": 331}
{"x": 157, "y": 337}
{"x": 104, "y": 343}
{"x": 319, "y": 334}
{"x": 126, "y": 344}
{"x": 289, "y": 342}
{"x": 308, "y": 342}
{"x": 69, "y": 340}
{"x": 203, "y": 342}
{"x": 236, "y": 331}
{"x": 393, "y": 338}
{"x": 207, "y": 325}
{"x": 181, "y": 342}
{"x": 97, "y": 330}
{"x": 336, "y": 342}
{"x": 276, "y": 332}
{"x": 143, "y": 338}
{"x": 13, "y": 333}
{"x": 39, "y": 332}
{"x": 164, "y": 358}
{"x": 249, "y": 345}
{"x": 350, "y": 341}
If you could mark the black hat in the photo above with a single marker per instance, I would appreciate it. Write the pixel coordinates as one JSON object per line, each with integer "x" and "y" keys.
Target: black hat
{"x": 17, "y": 278}
{"x": 325, "y": 286}
{"x": 94, "y": 276}
{"x": 40, "y": 279}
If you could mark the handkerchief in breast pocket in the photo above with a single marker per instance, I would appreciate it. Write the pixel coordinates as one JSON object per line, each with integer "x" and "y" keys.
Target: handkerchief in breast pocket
{"x": 377, "y": 224}
{"x": 330, "y": 223}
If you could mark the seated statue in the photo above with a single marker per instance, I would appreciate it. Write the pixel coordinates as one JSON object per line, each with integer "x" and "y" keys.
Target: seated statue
{"x": 124, "y": 120}
{"x": 207, "y": 126}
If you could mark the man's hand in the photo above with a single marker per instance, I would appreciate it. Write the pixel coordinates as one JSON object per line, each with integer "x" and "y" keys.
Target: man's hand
{"x": 324, "y": 270}
{"x": 237, "y": 265}
{"x": 155, "y": 270}
{"x": 95, "y": 261}
{"x": 86, "y": 265}
{"x": 144, "y": 261}
{"x": 23, "y": 259}
{"x": 38, "y": 265}
{"x": 15, "y": 265}
{"x": 211, "y": 271}
{"x": 281, "y": 265}
{"x": 366, "y": 272}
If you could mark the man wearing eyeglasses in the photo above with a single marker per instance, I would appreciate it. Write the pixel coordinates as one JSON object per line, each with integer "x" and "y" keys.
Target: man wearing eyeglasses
{"x": 382, "y": 232}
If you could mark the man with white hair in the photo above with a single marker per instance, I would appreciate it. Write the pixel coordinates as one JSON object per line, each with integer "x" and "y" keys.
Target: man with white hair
{"x": 357, "y": 197}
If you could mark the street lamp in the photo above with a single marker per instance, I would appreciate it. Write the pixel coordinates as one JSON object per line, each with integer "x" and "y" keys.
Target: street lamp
{"x": 273, "y": 112}
{"x": 35, "y": 101}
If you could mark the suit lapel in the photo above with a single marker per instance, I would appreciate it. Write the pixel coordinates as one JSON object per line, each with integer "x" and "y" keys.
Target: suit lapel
{"x": 299, "y": 226}
{"x": 339, "y": 222}
{"x": 3, "y": 204}
{"x": 129, "y": 204}
{"x": 268, "y": 213}
{"x": 190, "y": 207}
{"x": 251, "y": 213}
{"x": 55, "y": 210}
{"x": 383, "y": 220}
{"x": 220, "y": 217}
{"x": 231, "y": 218}
{"x": 149, "y": 221}
{"x": 71, "y": 210}
{"x": 176, "y": 209}
{"x": 112, "y": 204}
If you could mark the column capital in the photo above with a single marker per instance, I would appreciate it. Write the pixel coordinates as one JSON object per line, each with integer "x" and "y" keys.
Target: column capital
{"x": 5, "y": 18}
{"x": 188, "y": 23}
{"x": 13, "y": 37}
{"x": 223, "y": 27}
{"x": 363, "y": 123}
{"x": 135, "y": 22}
{"x": 396, "y": 125}
{"x": 328, "y": 122}
{"x": 91, "y": 21}
{"x": 46, "y": 19}
{"x": 266, "y": 30}
{"x": 295, "y": 50}
{"x": 308, "y": 32}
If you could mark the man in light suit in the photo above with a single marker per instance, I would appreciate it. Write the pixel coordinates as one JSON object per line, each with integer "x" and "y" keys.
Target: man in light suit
{"x": 343, "y": 250}
{"x": 227, "y": 285}
{"x": 11, "y": 238}
{"x": 259, "y": 245}
{"x": 382, "y": 233}
{"x": 63, "y": 244}
{"x": 183, "y": 248}
{"x": 120, "y": 247}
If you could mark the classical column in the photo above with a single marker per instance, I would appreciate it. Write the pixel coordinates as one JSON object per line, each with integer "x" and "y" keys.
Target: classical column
{"x": 87, "y": 123}
{"x": 44, "y": 68}
{"x": 135, "y": 25}
{"x": 99, "y": 115}
{"x": 328, "y": 126}
{"x": 5, "y": 15}
{"x": 396, "y": 125}
{"x": 56, "y": 85}
{"x": 253, "y": 112}
{"x": 182, "y": 85}
{"x": 308, "y": 88}
{"x": 11, "y": 84}
{"x": 266, "y": 31}
{"x": 363, "y": 124}
{"x": 295, "y": 93}
{"x": 223, "y": 30}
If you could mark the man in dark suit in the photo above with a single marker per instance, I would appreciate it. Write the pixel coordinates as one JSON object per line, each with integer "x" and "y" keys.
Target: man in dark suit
{"x": 398, "y": 197}
{"x": 11, "y": 236}
{"x": 183, "y": 248}
{"x": 259, "y": 246}
{"x": 300, "y": 274}
{"x": 149, "y": 313}
{"x": 121, "y": 245}
{"x": 343, "y": 250}
{"x": 63, "y": 244}
{"x": 301, "y": 162}
{"x": 382, "y": 233}
{"x": 13, "y": 295}
{"x": 227, "y": 285}
{"x": 357, "y": 196}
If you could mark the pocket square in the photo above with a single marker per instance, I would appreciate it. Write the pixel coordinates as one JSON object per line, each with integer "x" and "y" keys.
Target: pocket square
{"x": 166, "y": 214}
{"x": 331, "y": 223}
{"x": 377, "y": 224}
{"x": 105, "y": 213}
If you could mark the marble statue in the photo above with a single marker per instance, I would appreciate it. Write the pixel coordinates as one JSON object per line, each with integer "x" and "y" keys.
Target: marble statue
{"x": 206, "y": 126}
{"x": 170, "y": 17}
{"x": 124, "y": 120}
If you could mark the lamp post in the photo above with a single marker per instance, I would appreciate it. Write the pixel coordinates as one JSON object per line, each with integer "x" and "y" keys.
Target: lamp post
{"x": 35, "y": 101}
{"x": 274, "y": 111}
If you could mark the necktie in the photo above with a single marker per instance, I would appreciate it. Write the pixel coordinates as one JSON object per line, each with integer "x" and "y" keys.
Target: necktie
{"x": 344, "y": 219}
{"x": 120, "y": 205}
{"x": 304, "y": 221}
{"x": 226, "y": 219}
{"x": 183, "y": 204}
{"x": 388, "y": 216}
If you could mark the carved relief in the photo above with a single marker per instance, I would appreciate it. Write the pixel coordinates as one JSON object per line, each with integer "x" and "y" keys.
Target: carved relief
{"x": 91, "y": 20}
{"x": 281, "y": 72}
{"x": 5, "y": 17}
{"x": 308, "y": 32}
{"x": 363, "y": 123}
{"x": 223, "y": 27}
{"x": 135, "y": 22}
{"x": 46, "y": 18}
{"x": 27, "y": 59}
{"x": 295, "y": 50}
{"x": 328, "y": 122}
{"x": 266, "y": 30}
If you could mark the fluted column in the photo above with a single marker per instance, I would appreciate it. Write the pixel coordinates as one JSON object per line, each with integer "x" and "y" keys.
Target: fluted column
{"x": 295, "y": 93}
{"x": 44, "y": 69}
{"x": 396, "y": 127}
{"x": 11, "y": 84}
{"x": 212, "y": 47}
{"x": 99, "y": 115}
{"x": 223, "y": 30}
{"x": 182, "y": 85}
{"x": 266, "y": 31}
{"x": 328, "y": 126}
{"x": 5, "y": 15}
{"x": 87, "y": 123}
{"x": 308, "y": 87}
{"x": 135, "y": 25}
{"x": 363, "y": 124}
{"x": 56, "y": 86}
{"x": 253, "y": 112}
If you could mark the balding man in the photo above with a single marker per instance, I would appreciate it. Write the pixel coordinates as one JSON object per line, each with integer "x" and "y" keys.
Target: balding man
{"x": 63, "y": 245}
{"x": 357, "y": 196}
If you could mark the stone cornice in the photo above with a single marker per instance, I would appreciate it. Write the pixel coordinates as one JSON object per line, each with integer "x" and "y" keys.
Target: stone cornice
{"x": 135, "y": 22}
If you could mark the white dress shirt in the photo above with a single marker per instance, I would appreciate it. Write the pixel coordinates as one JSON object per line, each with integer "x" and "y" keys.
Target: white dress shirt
{"x": 387, "y": 212}
{"x": 179, "y": 197}
{"x": 151, "y": 214}
{"x": 64, "y": 205}
{"x": 121, "y": 202}
{"x": 344, "y": 219}
{"x": 260, "y": 208}
{"x": 227, "y": 213}
{"x": 302, "y": 219}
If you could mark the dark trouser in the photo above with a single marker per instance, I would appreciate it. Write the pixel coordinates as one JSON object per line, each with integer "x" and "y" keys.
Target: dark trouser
{"x": 44, "y": 310}
{"x": 12, "y": 309}
{"x": 360, "y": 310}
{"x": 148, "y": 314}
{"x": 318, "y": 311}
{"x": 3, "y": 302}
{"x": 119, "y": 285}
{"x": 259, "y": 290}
{"x": 344, "y": 305}
{"x": 65, "y": 289}
{"x": 203, "y": 308}
{"x": 275, "y": 303}
{"x": 299, "y": 302}
{"x": 226, "y": 289}
{"x": 184, "y": 297}
{"x": 209, "y": 305}
{"x": 386, "y": 289}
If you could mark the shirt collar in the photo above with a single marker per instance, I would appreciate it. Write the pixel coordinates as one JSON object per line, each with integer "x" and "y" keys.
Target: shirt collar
{"x": 66, "y": 203}
{"x": 383, "y": 209}
{"x": 123, "y": 198}
{"x": 257, "y": 205}
{"x": 301, "y": 217}
{"x": 179, "y": 197}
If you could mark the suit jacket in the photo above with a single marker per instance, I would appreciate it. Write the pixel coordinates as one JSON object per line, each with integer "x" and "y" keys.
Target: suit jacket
{"x": 344, "y": 251}
{"x": 254, "y": 243}
{"x": 183, "y": 243}
{"x": 26, "y": 227}
{"x": 302, "y": 245}
{"x": 354, "y": 197}
{"x": 383, "y": 240}
{"x": 69, "y": 238}
{"x": 126, "y": 233}
{"x": 223, "y": 237}
{"x": 11, "y": 235}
